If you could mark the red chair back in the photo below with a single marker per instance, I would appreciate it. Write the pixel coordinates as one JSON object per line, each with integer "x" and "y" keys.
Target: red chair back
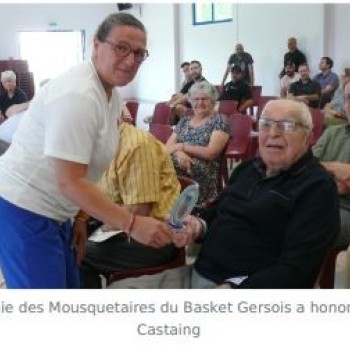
{"x": 240, "y": 144}
{"x": 133, "y": 107}
{"x": 262, "y": 102}
{"x": 161, "y": 132}
{"x": 317, "y": 120}
{"x": 161, "y": 114}
{"x": 256, "y": 93}
{"x": 227, "y": 107}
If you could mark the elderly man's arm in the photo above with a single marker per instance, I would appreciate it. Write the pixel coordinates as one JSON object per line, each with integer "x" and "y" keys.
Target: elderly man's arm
{"x": 310, "y": 233}
{"x": 341, "y": 173}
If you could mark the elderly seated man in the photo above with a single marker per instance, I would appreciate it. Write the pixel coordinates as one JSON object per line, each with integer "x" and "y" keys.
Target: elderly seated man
{"x": 12, "y": 95}
{"x": 274, "y": 223}
{"x": 142, "y": 178}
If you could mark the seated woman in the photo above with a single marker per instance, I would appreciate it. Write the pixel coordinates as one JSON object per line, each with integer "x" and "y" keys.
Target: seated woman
{"x": 197, "y": 143}
{"x": 12, "y": 95}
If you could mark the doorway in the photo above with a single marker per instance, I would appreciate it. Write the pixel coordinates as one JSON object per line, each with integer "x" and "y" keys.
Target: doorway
{"x": 51, "y": 53}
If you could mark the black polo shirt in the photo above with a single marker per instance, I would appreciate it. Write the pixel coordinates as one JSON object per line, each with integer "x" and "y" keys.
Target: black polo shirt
{"x": 236, "y": 91}
{"x": 311, "y": 87}
{"x": 297, "y": 57}
{"x": 188, "y": 85}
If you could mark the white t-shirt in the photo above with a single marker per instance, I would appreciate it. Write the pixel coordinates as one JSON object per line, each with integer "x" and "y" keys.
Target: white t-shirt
{"x": 9, "y": 126}
{"x": 70, "y": 118}
{"x": 286, "y": 80}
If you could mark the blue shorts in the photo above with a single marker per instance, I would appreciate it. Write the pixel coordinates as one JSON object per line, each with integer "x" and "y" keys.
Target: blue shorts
{"x": 35, "y": 250}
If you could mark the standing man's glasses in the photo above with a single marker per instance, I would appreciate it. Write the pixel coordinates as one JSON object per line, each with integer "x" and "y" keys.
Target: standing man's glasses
{"x": 123, "y": 50}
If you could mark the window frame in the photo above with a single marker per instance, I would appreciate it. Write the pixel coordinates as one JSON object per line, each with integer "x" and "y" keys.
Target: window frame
{"x": 214, "y": 9}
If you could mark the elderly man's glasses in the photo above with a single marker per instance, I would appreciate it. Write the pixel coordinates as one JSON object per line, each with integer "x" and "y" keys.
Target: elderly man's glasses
{"x": 123, "y": 50}
{"x": 284, "y": 126}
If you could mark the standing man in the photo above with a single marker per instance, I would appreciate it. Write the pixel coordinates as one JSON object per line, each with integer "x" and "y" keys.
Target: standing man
{"x": 305, "y": 90}
{"x": 293, "y": 55}
{"x": 245, "y": 61}
{"x": 65, "y": 140}
{"x": 327, "y": 79}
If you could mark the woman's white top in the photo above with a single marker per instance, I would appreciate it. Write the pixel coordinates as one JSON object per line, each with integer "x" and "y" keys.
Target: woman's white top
{"x": 70, "y": 119}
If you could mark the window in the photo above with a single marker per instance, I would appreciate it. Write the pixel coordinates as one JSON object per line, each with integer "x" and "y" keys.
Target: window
{"x": 207, "y": 13}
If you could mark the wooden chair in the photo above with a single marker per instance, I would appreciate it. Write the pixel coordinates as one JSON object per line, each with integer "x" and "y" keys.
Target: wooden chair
{"x": 133, "y": 107}
{"x": 178, "y": 261}
{"x": 162, "y": 114}
{"x": 161, "y": 131}
{"x": 317, "y": 120}
{"x": 326, "y": 275}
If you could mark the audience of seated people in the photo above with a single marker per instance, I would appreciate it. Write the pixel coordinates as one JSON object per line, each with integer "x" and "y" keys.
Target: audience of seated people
{"x": 12, "y": 94}
{"x": 334, "y": 111}
{"x": 197, "y": 143}
{"x": 333, "y": 150}
{"x": 143, "y": 179}
{"x": 305, "y": 90}
{"x": 237, "y": 90}
{"x": 242, "y": 59}
{"x": 288, "y": 78}
{"x": 327, "y": 79}
{"x": 179, "y": 102}
{"x": 276, "y": 220}
{"x": 293, "y": 55}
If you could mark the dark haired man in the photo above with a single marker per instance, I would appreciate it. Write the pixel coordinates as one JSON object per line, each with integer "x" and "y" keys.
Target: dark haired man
{"x": 328, "y": 80}
{"x": 237, "y": 90}
{"x": 305, "y": 90}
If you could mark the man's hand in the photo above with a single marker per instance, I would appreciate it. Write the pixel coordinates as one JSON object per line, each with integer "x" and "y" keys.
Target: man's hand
{"x": 191, "y": 231}
{"x": 79, "y": 239}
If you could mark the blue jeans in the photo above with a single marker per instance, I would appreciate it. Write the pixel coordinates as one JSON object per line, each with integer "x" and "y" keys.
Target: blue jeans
{"x": 35, "y": 250}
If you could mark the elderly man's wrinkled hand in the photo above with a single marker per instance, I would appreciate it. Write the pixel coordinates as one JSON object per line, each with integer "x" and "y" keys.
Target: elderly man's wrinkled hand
{"x": 189, "y": 233}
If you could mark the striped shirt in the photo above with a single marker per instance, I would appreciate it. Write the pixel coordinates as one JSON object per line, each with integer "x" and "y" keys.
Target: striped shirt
{"x": 141, "y": 172}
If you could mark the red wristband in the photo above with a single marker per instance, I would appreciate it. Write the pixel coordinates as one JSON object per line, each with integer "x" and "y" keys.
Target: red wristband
{"x": 131, "y": 225}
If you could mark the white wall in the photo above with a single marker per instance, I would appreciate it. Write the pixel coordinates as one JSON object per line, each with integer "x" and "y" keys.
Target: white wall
{"x": 263, "y": 30}
{"x": 321, "y": 29}
{"x": 338, "y": 47}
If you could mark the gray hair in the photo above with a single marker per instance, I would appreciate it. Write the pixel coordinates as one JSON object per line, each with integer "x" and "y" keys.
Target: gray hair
{"x": 8, "y": 74}
{"x": 203, "y": 87}
{"x": 117, "y": 19}
{"x": 299, "y": 110}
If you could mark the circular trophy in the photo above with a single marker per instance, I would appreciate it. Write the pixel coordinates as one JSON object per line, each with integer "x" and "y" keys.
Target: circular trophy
{"x": 183, "y": 207}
